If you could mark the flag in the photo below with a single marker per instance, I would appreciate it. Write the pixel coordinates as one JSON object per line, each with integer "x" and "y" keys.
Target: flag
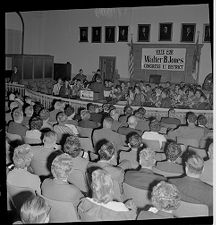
{"x": 131, "y": 60}
{"x": 196, "y": 59}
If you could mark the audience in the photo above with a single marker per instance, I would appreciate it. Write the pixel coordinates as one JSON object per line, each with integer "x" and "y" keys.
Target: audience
{"x": 28, "y": 113}
{"x": 57, "y": 87}
{"x": 86, "y": 122}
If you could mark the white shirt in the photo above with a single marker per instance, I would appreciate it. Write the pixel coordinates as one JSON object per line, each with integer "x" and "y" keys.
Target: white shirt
{"x": 152, "y": 135}
{"x": 56, "y": 89}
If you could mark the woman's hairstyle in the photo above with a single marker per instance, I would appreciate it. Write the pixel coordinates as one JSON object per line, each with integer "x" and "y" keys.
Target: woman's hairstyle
{"x": 165, "y": 196}
{"x": 44, "y": 114}
{"x": 194, "y": 163}
{"x": 102, "y": 186}
{"x": 85, "y": 114}
{"x": 62, "y": 166}
{"x": 36, "y": 123}
{"x": 34, "y": 210}
{"x": 61, "y": 117}
{"x": 22, "y": 156}
{"x": 17, "y": 114}
{"x": 106, "y": 151}
{"x": 72, "y": 146}
{"x": 173, "y": 151}
{"x": 135, "y": 140}
{"x": 202, "y": 120}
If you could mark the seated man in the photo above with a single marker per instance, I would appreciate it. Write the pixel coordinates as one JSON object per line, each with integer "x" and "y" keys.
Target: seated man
{"x": 128, "y": 111}
{"x": 191, "y": 188}
{"x": 97, "y": 86}
{"x": 45, "y": 115}
{"x": 173, "y": 161}
{"x": 58, "y": 107}
{"x": 165, "y": 99}
{"x": 107, "y": 133}
{"x": 153, "y": 134}
{"x": 132, "y": 123}
{"x": 143, "y": 177}
{"x": 115, "y": 115}
{"x": 57, "y": 87}
{"x": 70, "y": 113}
{"x": 143, "y": 124}
{"x": 16, "y": 126}
{"x": 170, "y": 121}
{"x": 85, "y": 122}
{"x": 96, "y": 117}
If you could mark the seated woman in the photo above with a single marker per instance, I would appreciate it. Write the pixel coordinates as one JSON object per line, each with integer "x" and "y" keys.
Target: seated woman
{"x": 107, "y": 155}
{"x": 34, "y": 210}
{"x": 101, "y": 206}
{"x": 58, "y": 188}
{"x": 165, "y": 199}
{"x": 20, "y": 176}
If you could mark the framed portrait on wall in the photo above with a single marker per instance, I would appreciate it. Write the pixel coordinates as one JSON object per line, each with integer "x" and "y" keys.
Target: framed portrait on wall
{"x": 123, "y": 34}
{"x": 143, "y": 32}
{"x": 188, "y": 32}
{"x": 96, "y": 34}
{"x": 165, "y": 32}
{"x": 206, "y": 33}
{"x": 110, "y": 34}
{"x": 83, "y": 34}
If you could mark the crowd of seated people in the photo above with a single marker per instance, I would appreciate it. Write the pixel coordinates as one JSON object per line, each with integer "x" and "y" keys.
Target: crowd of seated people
{"x": 46, "y": 152}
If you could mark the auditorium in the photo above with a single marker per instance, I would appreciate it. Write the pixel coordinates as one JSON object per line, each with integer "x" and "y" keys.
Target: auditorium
{"x": 126, "y": 94}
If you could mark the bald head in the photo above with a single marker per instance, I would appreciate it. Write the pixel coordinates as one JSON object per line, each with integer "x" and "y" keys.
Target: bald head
{"x": 132, "y": 121}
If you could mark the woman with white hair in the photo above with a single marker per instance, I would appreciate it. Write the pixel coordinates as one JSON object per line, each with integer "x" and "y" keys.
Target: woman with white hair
{"x": 101, "y": 206}
{"x": 20, "y": 176}
{"x": 165, "y": 199}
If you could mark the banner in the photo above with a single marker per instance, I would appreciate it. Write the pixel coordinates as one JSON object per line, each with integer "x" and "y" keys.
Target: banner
{"x": 172, "y": 59}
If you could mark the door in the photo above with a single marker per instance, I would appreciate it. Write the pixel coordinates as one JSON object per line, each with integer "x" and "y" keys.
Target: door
{"x": 107, "y": 67}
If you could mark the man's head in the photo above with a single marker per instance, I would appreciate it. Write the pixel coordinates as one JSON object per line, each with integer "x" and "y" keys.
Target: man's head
{"x": 202, "y": 120}
{"x": 49, "y": 138}
{"x": 171, "y": 112}
{"x": 28, "y": 110}
{"x": 191, "y": 118}
{"x": 135, "y": 141}
{"x": 85, "y": 115}
{"x": 91, "y": 107}
{"x": 132, "y": 122}
{"x": 69, "y": 111}
{"x": 35, "y": 123}
{"x": 128, "y": 110}
{"x": 155, "y": 125}
{"x": 44, "y": 114}
{"x": 194, "y": 166}
{"x": 17, "y": 115}
{"x": 72, "y": 146}
{"x": 61, "y": 117}
{"x": 107, "y": 122}
{"x": 114, "y": 114}
{"x": 147, "y": 158}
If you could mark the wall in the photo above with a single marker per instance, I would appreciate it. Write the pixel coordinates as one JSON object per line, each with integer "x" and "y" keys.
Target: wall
{"x": 57, "y": 33}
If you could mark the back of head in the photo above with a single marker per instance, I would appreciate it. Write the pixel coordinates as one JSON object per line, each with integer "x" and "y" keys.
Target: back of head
{"x": 17, "y": 115}
{"x": 173, "y": 151}
{"x": 171, "y": 112}
{"x": 69, "y": 110}
{"x": 147, "y": 157}
{"x": 44, "y": 114}
{"x": 202, "y": 120}
{"x": 72, "y": 146}
{"x": 36, "y": 123}
{"x": 62, "y": 166}
{"x": 191, "y": 117}
{"x": 132, "y": 121}
{"x": 155, "y": 125}
{"x": 85, "y": 115}
{"x": 194, "y": 165}
{"x": 28, "y": 110}
{"x": 102, "y": 186}
{"x": 107, "y": 122}
{"x": 50, "y": 137}
{"x": 139, "y": 115}
{"x": 107, "y": 151}
{"x": 35, "y": 210}
{"x": 128, "y": 110}
{"x": 90, "y": 107}
{"x": 165, "y": 196}
{"x": 61, "y": 117}
{"x": 22, "y": 156}
{"x": 135, "y": 141}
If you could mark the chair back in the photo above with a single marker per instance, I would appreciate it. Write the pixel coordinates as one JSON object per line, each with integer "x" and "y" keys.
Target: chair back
{"x": 188, "y": 142}
{"x": 139, "y": 196}
{"x": 61, "y": 212}
{"x": 155, "y": 78}
{"x": 78, "y": 178}
{"x": 187, "y": 209}
{"x": 199, "y": 151}
{"x": 165, "y": 173}
{"x": 84, "y": 132}
{"x": 13, "y": 137}
{"x": 153, "y": 144}
{"x": 86, "y": 144}
{"x": 17, "y": 195}
{"x": 30, "y": 141}
{"x": 40, "y": 167}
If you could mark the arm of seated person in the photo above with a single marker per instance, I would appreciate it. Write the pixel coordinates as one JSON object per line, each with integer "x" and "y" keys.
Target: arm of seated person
{"x": 125, "y": 164}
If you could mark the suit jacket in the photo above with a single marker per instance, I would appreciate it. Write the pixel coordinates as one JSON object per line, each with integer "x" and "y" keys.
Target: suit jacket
{"x": 142, "y": 178}
{"x": 105, "y": 133}
{"x": 128, "y": 130}
{"x": 143, "y": 125}
{"x": 88, "y": 124}
{"x": 170, "y": 120}
{"x": 131, "y": 156}
{"x": 170, "y": 167}
{"x": 17, "y": 128}
{"x": 195, "y": 191}
{"x": 96, "y": 117}
{"x": 60, "y": 191}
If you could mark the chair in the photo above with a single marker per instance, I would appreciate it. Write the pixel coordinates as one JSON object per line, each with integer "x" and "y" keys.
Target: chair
{"x": 139, "y": 196}
{"x": 188, "y": 142}
{"x": 30, "y": 141}
{"x": 86, "y": 144}
{"x": 40, "y": 167}
{"x": 165, "y": 173}
{"x": 17, "y": 195}
{"x": 187, "y": 209}
{"x": 154, "y": 144}
{"x": 155, "y": 78}
{"x": 13, "y": 137}
{"x": 61, "y": 212}
{"x": 78, "y": 178}
{"x": 84, "y": 132}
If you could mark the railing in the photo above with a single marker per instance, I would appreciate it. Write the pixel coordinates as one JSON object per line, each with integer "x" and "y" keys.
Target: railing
{"x": 12, "y": 87}
{"x": 47, "y": 100}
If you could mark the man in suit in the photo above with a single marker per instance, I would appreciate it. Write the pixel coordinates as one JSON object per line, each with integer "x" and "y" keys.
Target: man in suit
{"x": 97, "y": 86}
{"x": 86, "y": 122}
{"x": 96, "y": 117}
{"x": 143, "y": 34}
{"x": 145, "y": 177}
{"x": 187, "y": 34}
{"x": 165, "y": 34}
{"x": 191, "y": 187}
{"x": 170, "y": 121}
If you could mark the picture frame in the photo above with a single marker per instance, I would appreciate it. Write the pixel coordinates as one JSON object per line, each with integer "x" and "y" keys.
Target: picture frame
{"x": 165, "y": 31}
{"x": 83, "y": 34}
{"x": 123, "y": 34}
{"x": 110, "y": 34}
{"x": 96, "y": 34}
{"x": 206, "y": 33}
{"x": 188, "y": 32}
{"x": 143, "y": 32}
